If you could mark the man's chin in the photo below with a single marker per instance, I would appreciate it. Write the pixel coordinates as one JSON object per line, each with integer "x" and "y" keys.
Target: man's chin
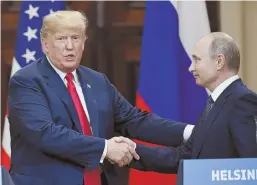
{"x": 70, "y": 67}
{"x": 198, "y": 82}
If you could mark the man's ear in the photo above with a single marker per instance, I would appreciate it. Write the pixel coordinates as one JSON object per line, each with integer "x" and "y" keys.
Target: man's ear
{"x": 44, "y": 45}
{"x": 85, "y": 39}
{"x": 220, "y": 61}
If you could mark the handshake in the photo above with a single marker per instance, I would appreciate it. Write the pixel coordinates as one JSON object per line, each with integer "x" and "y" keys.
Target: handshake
{"x": 121, "y": 151}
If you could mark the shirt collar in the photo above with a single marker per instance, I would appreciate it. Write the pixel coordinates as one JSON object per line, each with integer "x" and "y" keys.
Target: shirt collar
{"x": 62, "y": 74}
{"x": 218, "y": 90}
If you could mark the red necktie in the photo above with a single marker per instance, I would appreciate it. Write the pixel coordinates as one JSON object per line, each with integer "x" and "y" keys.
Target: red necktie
{"x": 91, "y": 177}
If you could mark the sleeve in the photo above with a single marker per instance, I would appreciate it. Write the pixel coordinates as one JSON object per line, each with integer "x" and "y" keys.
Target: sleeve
{"x": 30, "y": 116}
{"x": 243, "y": 125}
{"x": 136, "y": 124}
{"x": 162, "y": 159}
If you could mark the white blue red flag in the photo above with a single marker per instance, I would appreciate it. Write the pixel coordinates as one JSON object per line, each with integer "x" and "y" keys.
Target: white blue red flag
{"x": 166, "y": 87}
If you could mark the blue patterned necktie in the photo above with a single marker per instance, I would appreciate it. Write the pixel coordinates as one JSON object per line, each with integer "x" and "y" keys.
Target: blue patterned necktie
{"x": 208, "y": 107}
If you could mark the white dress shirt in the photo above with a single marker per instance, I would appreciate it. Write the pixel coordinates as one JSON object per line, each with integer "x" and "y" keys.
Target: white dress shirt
{"x": 218, "y": 90}
{"x": 81, "y": 97}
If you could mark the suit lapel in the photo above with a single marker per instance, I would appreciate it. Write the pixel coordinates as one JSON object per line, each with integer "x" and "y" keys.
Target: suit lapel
{"x": 203, "y": 129}
{"x": 92, "y": 106}
{"x": 56, "y": 83}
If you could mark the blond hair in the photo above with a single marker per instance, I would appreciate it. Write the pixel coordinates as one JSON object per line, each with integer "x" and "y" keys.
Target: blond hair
{"x": 62, "y": 20}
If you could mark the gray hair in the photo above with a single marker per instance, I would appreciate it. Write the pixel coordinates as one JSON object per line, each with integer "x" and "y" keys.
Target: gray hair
{"x": 224, "y": 44}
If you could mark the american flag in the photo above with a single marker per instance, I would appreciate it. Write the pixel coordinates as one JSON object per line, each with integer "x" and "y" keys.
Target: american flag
{"x": 27, "y": 50}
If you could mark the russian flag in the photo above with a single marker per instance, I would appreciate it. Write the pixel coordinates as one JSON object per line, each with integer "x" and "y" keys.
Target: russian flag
{"x": 166, "y": 87}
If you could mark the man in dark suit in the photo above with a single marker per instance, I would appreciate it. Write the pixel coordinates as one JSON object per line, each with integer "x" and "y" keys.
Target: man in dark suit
{"x": 228, "y": 125}
{"x": 63, "y": 116}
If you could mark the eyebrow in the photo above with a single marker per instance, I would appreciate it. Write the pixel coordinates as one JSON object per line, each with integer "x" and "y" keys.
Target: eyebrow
{"x": 196, "y": 57}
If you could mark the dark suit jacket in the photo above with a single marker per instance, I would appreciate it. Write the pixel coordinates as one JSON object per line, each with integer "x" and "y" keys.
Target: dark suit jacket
{"x": 229, "y": 131}
{"x": 48, "y": 147}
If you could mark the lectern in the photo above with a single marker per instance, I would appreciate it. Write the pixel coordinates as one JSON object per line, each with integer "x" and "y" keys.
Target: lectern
{"x": 5, "y": 177}
{"x": 236, "y": 171}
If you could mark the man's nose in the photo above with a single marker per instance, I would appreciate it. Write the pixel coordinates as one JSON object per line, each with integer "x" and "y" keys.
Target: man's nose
{"x": 191, "y": 68}
{"x": 69, "y": 44}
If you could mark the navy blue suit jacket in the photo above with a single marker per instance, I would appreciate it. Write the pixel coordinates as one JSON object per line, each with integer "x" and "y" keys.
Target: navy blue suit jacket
{"x": 229, "y": 131}
{"x": 48, "y": 147}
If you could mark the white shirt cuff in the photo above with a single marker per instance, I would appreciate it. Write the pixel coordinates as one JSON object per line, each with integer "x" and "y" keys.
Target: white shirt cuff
{"x": 104, "y": 152}
{"x": 187, "y": 132}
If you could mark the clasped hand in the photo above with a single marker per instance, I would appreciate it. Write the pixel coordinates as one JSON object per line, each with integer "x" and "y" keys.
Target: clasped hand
{"x": 121, "y": 150}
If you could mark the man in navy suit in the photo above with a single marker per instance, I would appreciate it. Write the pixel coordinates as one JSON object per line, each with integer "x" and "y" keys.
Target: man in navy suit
{"x": 63, "y": 116}
{"x": 228, "y": 125}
